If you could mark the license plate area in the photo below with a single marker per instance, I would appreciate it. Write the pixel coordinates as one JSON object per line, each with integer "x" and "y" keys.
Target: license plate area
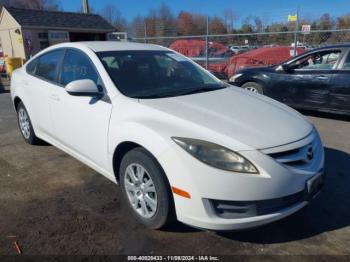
{"x": 314, "y": 185}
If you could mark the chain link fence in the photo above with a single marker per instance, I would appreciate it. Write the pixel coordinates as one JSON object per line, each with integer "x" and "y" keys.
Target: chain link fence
{"x": 224, "y": 54}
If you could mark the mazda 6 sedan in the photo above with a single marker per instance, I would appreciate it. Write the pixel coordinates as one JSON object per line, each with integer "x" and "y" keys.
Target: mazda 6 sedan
{"x": 181, "y": 143}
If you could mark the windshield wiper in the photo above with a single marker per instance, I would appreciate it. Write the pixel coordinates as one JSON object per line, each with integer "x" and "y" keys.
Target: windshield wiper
{"x": 201, "y": 90}
{"x": 148, "y": 96}
{"x": 186, "y": 92}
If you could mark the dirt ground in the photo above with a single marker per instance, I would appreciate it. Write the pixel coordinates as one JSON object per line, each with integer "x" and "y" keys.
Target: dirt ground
{"x": 52, "y": 204}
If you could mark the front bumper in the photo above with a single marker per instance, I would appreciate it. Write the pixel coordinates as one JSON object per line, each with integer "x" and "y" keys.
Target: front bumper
{"x": 235, "y": 215}
{"x": 221, "y": 224}
{"x": 245, "y": 209}
{"x": 260, "y": 197}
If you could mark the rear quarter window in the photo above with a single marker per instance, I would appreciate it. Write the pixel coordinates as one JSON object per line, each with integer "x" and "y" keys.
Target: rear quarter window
{"x": 47, "y": 65}
{"x": 31, "y": 67}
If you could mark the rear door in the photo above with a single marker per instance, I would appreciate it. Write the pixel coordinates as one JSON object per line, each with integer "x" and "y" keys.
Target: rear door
{"x": 340, "y": 86}
{"x": 41, "y": 80}
{"x": 307, "y": 84}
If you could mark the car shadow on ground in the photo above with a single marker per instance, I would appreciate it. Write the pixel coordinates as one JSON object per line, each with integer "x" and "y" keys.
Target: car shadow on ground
{"x": 328, "y": 212}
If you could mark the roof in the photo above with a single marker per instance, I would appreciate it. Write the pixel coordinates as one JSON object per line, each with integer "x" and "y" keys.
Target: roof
{"x": 102, "y": 46}
{"x": 59, "y": 20}
{"x": 343, "y": 45}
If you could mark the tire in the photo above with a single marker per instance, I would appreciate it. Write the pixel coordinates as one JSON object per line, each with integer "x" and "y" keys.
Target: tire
{"x": 253, "y": 87}
{"x": 151, "y": 205}
{"x": 25, "y": 126}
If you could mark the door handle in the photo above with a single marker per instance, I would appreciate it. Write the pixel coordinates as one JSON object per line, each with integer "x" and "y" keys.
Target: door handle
{"x": 322, "y": 77}
{"x": 55, "y": 97}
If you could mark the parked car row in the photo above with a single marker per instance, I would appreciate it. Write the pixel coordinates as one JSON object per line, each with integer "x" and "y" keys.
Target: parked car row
{"x": 225, "y": 61}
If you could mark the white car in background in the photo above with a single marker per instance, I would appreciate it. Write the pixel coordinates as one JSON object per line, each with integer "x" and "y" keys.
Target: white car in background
{"x": 240, "y": 49}
{"x": 180, "y": 142}
{"x": 235, "y": 49}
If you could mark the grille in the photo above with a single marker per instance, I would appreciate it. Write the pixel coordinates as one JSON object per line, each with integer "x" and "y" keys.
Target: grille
{"x": 298, "y": 157}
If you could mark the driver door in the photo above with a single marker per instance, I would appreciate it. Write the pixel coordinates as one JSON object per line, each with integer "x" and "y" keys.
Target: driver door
{"x": 80, "y": 123}
{"x": 340, "y": 87}
{"x": 306, "y": 83}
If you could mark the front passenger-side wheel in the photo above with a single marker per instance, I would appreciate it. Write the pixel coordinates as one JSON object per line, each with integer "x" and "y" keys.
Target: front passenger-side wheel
{"x": 146, "y": 189}
{"x": 25, "y": 125}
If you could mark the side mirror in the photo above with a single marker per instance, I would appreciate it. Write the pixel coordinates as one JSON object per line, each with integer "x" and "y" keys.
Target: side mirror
{"x": 84, "y": 87}
{"x": 287, "y": 67}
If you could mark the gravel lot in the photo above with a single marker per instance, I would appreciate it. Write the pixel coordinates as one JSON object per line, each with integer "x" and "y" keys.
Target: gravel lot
{"x": 52, "y": 204}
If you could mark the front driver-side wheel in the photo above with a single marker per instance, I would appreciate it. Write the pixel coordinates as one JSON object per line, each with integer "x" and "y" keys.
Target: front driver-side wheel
{"x": 25, "y": 125}
{"x": 253, "y": 87}
{"x": 146, "y": 189}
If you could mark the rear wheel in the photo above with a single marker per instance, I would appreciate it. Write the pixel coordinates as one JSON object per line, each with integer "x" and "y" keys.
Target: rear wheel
{"x": 253, "y": 87}
{"x": 25, "y": 125}
{"x": 146, "y": 189}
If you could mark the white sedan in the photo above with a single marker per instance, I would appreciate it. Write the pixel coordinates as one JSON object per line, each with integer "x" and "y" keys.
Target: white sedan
{"x": 181, "y": 143}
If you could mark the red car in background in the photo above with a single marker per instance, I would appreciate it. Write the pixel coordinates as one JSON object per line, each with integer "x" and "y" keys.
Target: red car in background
{"x": 264, "y": 56}
{"x": 224, "y": 63}
{"x": 219, "y": 55}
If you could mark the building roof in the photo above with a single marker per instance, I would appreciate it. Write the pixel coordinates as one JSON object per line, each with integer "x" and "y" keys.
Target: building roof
{"x": 59, "y": 20}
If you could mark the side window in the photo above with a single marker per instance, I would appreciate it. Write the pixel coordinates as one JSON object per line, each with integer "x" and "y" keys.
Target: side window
{"x": 346, "y": 65}
{"x": 319, "y": 60}
{"x": 110, "y": 62}
{"x": 32, "y": 66}
{"x": 47, "y": 65}
{"x": 77, "y": 66}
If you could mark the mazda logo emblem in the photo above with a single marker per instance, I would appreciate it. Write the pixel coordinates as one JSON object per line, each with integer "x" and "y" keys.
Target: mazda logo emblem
{"x": 309, "y": 154}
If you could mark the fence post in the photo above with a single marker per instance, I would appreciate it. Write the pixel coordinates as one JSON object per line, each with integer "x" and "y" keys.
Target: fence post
{"x": 296, "y": 33}
{"x": 145, "y": 32}
{"x": 207, "y": 46}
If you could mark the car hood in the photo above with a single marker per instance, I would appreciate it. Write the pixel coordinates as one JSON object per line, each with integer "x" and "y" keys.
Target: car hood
{"x": 250, "y": 119}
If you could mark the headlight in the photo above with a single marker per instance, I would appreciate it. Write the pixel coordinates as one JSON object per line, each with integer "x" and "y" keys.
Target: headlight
{"x": 233, "y": 78}
{"x": 216, "y": 156}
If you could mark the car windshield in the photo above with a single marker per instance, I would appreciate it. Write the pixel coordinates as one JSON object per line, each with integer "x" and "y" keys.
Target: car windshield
{"x": 156, "y": 74}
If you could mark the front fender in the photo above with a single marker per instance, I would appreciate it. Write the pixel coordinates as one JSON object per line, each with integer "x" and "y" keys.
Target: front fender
{"x": 257, "y": 78}
{"x": 145, "y": 136}
{"x": 155, "y": 138}
{"x": 139, "y": 133}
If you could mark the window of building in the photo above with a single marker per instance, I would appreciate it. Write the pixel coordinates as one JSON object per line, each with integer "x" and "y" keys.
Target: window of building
{"x": 44, "y": 44}
{"x": 43, "y": 35}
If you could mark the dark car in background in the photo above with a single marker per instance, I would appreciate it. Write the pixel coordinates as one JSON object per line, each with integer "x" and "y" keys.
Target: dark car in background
{"x": 317, "y": 80}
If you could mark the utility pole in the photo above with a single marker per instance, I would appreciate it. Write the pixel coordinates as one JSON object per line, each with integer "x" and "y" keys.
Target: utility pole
{"x": 86, "y": 8}
{"x": 207, "y": 46}
{"x": 296, "y": 32}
